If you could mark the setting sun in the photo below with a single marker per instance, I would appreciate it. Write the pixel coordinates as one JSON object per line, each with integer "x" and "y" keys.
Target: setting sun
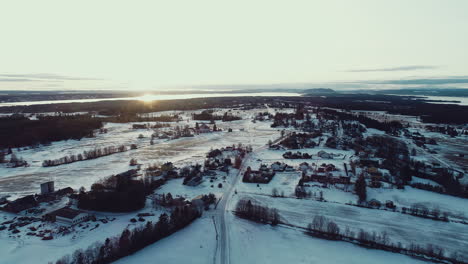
{"x": 147, "y": 98}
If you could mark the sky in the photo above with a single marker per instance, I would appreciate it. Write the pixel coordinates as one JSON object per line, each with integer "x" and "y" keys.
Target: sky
{"x": 159, "y": 45}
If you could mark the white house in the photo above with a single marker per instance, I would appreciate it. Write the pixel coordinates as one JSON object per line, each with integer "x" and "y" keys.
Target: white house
{"x": 70, "y": 216}
{"x": 278, "y": 166}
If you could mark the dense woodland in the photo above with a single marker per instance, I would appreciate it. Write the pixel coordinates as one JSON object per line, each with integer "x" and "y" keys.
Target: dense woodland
{"x": 118, "y": 193}
{"x": 390, "y": 127}
{"x": 19, "y": 131}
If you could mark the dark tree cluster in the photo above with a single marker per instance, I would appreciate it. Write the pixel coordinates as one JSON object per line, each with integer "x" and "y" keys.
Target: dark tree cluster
{"x": 283, "y": 120}
{"x": 149, "y": 125}
{"x": 20, "y": 131}
{"x": 450, "y": 183}
{"x": 227, "y": 117}
{"x": 255, "y": 212}
{"x": 422, "y": 210}
{"x": 14, "y": 161}
{"x": 296, "y": 155}
{"x": 130, "y": 241}
{"x": 300, "y": 140}
{"x": 86, "y": 155}
{"x": 392, "y": 127}
{"x": 117, "y": 193}
{"x": 394, "y": 152}
{"x": 190, "y": 172}
{"x": 206, "y": 115}
{"x": 360, "y": 188}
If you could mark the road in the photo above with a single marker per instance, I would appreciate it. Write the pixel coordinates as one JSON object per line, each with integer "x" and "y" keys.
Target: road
{"x": 222, "y": 212}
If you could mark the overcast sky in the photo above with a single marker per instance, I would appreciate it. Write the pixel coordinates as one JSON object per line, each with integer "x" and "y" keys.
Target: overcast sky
{"x": 170, "y": 43}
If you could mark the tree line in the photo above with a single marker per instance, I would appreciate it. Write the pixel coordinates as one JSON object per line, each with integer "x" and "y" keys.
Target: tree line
{"x": 256, "y": 212}
{"x": 130, "y": 241}
{"x": 87, "y": 155}
{"x": 325, "y": 228}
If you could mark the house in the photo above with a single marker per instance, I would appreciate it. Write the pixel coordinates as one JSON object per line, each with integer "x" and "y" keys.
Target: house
{"x": 324, "y": 155}
{"x": 47, "y": 187}
{"x": 198, "y": 203}
{"x": 139, "y": 126}
{"x": 275, "y": 147}
{"x": 374, "y": 203}
{"x": 195, "y": 181}
{"x": 209, "y": 173}
{"x": 21, "y": 204}
{"x": 263, "y": 167}
{"x": 278, "y": 166}
{"x": 374, "y": 173}
{"x": 203, "y": 128}
{"x": 370, "y": 162}
{"x": 4, "y": 199}
{"x": 304, "y": 166}
{"x": 263, "y": 176}
{"x": 67, "y": 216}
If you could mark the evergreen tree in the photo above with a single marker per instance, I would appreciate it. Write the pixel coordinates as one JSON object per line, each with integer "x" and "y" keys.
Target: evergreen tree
{"x": 360, "y": 188}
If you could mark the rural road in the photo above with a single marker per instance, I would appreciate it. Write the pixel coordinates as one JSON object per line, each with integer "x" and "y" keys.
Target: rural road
{"x": 222, "y": 211}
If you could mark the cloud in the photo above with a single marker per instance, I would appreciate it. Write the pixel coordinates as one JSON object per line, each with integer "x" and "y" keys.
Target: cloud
{"x": 401, "y": 68}
{"x": 45, "y": 76}
{"x": 16, "y": 80}
{"x": 439, "y": 81}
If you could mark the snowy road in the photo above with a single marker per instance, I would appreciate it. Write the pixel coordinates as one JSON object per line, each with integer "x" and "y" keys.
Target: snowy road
{"x": 222, "y": 211}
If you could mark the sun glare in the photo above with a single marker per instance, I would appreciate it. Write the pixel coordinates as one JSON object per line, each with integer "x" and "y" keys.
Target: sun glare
{"x": 147, "y": 98}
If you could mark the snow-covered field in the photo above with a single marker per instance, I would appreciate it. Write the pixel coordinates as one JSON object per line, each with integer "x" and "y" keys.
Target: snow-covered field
{"x": 23, "y": 249}
{"x": 400, "y": 227}
{"x": 249, "y": 242}
{"x": 21, "y": 181}
{"x": 255, "y": 243}
{"x": 194, "y": 244}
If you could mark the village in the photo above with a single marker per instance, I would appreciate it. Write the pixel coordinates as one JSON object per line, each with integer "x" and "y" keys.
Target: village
{"x": 295, "y": 158}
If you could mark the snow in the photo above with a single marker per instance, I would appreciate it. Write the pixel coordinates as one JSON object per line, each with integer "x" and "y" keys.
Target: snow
{"x": 399, "y": 227}
{"x": 249, "y": 242}
{"x": 455, "y": 206}
{"x": 256, "y": 243}
{"x": 21, "y": 248}
{"x": 176, "y": 188}
{"x": 23, "y": 181}
{"x": 424, "y": 181}
{"x": 193, "y": 244}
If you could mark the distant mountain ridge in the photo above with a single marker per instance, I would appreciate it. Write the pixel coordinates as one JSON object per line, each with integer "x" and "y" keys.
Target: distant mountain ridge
{"x": 319, "y": 91}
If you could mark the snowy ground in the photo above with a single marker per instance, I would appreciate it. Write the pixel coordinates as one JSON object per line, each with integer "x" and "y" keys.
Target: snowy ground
{"x": 253, "y": 243}
{"x": 400, "y": 227}
{"x": 194, "y": 244}
{"x": 21, "y": 181}
{"x": 23, "y": 249}
{"x": 256, "y": 243}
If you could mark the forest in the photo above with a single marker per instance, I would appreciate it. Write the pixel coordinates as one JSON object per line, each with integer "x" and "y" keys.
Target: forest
{"x": 19, "y": 131}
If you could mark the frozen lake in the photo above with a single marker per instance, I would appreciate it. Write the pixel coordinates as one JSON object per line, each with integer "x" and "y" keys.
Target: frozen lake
{"x": 152, "y": 97}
